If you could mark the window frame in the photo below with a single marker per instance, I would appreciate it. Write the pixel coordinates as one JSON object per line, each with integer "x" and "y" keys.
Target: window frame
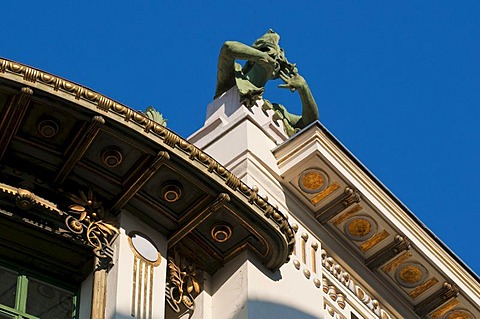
{"x": 21, "y": 292}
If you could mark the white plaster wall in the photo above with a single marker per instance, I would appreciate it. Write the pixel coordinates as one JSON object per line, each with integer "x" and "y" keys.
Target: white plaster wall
{"x": 120, "y": 280}
{"x": 229, "y": 290}
{"x": 242, "y": 139}
{"x": 85, "y": 305}
{"x": 246, "y": 289}
{"x": 203, "y": 302}
{"x": 284, "y": 294}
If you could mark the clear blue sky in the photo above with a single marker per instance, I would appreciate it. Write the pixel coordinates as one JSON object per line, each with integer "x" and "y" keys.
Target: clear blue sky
{"x": 397, "y": 82}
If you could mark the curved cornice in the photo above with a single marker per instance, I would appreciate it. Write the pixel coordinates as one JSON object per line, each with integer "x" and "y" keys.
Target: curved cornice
{"x": 65, "y": 89}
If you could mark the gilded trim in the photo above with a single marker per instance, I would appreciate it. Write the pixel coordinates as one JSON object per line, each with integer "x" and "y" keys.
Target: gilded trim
{"x": 105, "y": 104}
{"x": 352, "y": 211}
{"x": 423, "y": 287}
{"x": 375, "y": 240}
{"x": 445, "y": 308}
{"x": 143, "y": 276}
{"x": 323, "y": 194}
{"x": 397, "y": 261}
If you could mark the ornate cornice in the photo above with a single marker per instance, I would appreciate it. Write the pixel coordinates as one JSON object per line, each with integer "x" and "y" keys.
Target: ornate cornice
{"x": 25, "y": 74}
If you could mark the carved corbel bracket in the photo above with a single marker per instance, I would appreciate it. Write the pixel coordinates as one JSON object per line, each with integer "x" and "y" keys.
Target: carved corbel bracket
{"x": 136, "y": 182}
{"x": 12, "y": 117}
{"x": 447, "y": 292}
{"x": 87, "y": 137}
{"x": 189, "y": 226}
{"x": 349, "y": 197}
{"x": 400, "y": 244}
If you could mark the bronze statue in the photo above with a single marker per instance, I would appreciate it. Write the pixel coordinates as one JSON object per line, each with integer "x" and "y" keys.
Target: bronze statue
{"x": 265, "y": 61}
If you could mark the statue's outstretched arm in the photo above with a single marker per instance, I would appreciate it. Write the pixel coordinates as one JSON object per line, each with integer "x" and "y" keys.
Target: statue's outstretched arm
{"x": 296, "y": 82}
{"x": 231, "y": 51}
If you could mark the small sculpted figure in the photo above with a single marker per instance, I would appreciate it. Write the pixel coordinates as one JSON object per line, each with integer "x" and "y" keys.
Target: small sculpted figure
{"x": 265, "y": 60}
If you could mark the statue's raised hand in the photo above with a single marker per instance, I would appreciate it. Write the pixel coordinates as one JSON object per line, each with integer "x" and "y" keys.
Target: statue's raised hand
{"x": 293, "y": 81}
{"x": 268, "y": 63}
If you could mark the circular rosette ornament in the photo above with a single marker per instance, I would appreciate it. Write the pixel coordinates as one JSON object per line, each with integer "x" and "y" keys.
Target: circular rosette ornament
{"x": 77, "y": 214}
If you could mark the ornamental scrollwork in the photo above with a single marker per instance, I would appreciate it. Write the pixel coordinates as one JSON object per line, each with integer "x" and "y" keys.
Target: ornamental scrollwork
{"x": 182, "y": 285}
{"x": 86, "y": 217}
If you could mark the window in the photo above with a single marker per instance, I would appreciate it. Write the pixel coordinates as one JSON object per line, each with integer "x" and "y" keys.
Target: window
{"x": 23, "y": 296}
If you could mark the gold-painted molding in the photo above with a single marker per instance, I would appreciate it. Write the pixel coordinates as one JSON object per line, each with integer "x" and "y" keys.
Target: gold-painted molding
{"x": 323, "y": 194}
{"x": 350, "y": 212}
{"x": 375, "y": 240}
{"x": 390, "y": 208}
{"x": 397, "y": 261}
{"x": 445, "y": 308}
{"x": 314, "y": 248}
{"x": 64, "y": 88}
{"x": 143, "y": 276}
{"x": 99, "y": 294}
{"x": 25, "y": 199}
{"x": 137, "y": 254}
{"x": 423, "y": 287}
{"x": 398, "y": 214}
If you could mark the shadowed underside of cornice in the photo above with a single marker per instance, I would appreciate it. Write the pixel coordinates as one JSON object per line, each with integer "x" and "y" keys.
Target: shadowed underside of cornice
{"x": 90, "y": 129}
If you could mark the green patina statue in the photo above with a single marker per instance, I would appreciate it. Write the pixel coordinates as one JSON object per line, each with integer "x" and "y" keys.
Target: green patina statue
{"x": 265, "y": 61}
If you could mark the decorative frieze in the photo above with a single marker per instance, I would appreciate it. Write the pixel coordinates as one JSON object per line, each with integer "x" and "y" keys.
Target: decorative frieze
{"x": 333, "y": 293}
{"x": 347, "y": 281}
{"x": 331, "y": 311}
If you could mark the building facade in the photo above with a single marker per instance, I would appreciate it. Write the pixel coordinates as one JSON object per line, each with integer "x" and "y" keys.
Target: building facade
{"x": 106, "y": 213}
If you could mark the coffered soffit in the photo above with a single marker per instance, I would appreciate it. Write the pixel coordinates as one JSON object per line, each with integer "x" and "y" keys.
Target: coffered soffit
{"x": 360, "y": 213}
{"x": 56, "y": 135}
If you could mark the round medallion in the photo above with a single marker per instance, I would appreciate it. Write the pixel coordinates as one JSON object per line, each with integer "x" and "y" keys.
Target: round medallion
{"x": 171, "y": 192}
{"x": 48, "y": 128}
{"x": 360, "y": 228}
{"x": 143, "y": 247}
{"x": 111, "y": 157}
{"x": 221, "y": 232}
{"x": 313, "y": 181}
{"x": 459, "y": 314}
{"x": 410, "y": 275}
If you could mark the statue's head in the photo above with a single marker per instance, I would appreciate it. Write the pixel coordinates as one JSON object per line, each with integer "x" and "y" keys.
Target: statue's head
{"x": 269, "y": 43}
